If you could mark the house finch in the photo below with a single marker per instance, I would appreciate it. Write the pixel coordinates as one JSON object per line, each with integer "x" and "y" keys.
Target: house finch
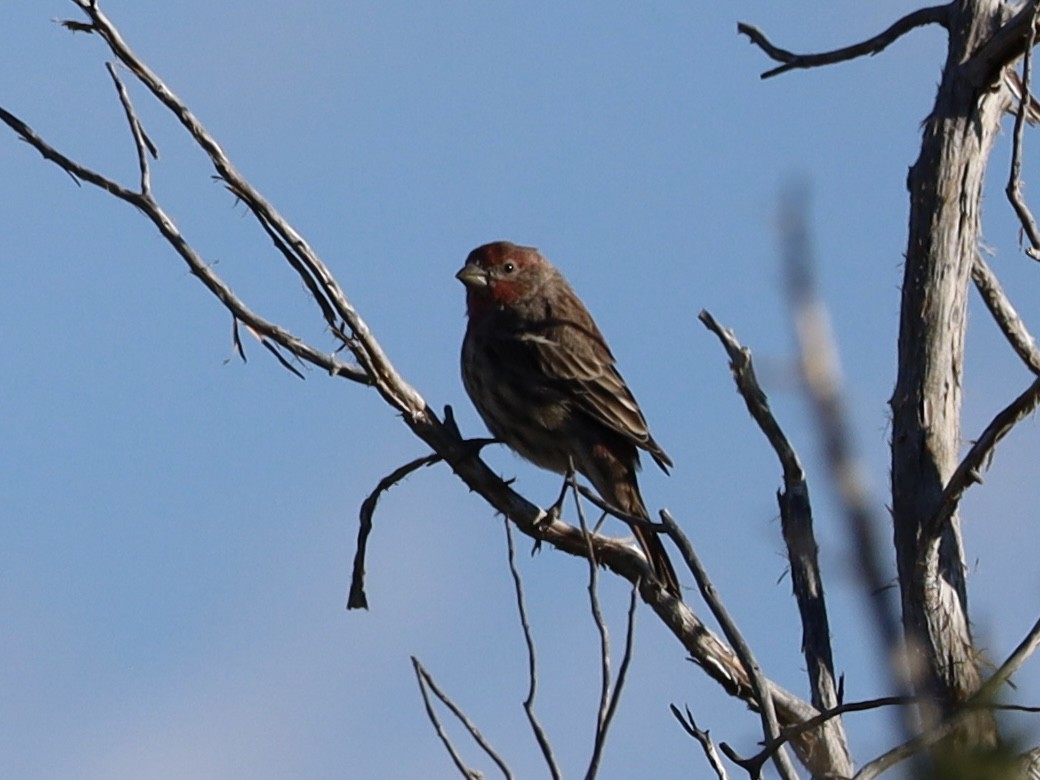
{"x": 543, "y": 378}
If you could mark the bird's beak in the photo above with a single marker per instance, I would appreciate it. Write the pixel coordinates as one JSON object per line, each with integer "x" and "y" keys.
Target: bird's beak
{"x": 472, "y": 276}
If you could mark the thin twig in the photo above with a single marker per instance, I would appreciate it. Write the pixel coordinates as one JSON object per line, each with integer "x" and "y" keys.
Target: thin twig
{"x": 604, "y": 643}
{"x": 142, "y": 142}
{"x": 1013, "y": 663}
{"x": 938, "y": 14}
{"x": 623, "y": 667}
{"x": 532, "y": 664}
{"x": 610, "y": 694}
{"x": 169, "y": 230}
{"x": 236, "y": 340}
{"x": 790, "y": 732}
{"x": 1005, "y": 315}
{"x": 767, "y": 711}
{"x": 969, "y": 470}
{"x": 606, "y": 508}
{"x": 357, "y": 598}
{"x": 427, "y": 682}
{"x": 1013, "y": 190}
{"x": 704, "y": 738}
{"x": 272, "y": 347}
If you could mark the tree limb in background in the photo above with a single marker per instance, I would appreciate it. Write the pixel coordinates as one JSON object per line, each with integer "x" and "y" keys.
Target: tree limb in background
{"x": 427, "y": 686}
{"x": 820, "y": 376}
{"x": 937, "y": 14}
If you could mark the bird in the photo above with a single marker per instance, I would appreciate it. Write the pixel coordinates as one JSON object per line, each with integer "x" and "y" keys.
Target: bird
{"x": 543, "y": 379}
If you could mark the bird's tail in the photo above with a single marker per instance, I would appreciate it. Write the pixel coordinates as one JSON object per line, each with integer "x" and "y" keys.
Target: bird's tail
{"x": 624, "y": 494}
{"x": 654, "y": 550}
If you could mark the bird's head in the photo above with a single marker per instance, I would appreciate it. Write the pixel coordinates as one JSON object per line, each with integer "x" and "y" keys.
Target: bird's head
{"x": 502, "y": 276}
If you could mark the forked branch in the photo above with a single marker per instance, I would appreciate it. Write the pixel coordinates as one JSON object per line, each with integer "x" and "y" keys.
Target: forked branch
{"x": 427, "y": 685}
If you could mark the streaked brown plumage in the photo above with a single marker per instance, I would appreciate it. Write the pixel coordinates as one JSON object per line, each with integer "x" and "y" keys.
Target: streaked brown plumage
{"x": 543, "y": 379}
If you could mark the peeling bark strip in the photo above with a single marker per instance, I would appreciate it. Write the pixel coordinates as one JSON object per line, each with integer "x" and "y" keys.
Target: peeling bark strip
{"x": 945, "y": 187}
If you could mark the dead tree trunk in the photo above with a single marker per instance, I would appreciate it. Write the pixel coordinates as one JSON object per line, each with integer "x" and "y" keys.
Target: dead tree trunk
{"x": 945, "y": 202}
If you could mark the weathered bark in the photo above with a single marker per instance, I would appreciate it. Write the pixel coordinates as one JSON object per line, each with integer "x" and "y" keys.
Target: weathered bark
{"x": 945, "y": 202}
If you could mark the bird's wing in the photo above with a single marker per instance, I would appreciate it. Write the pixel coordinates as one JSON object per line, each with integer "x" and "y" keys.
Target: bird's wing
{"x": 575, "y": 357}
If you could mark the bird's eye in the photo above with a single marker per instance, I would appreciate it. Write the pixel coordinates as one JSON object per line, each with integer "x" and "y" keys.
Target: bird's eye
{"x": 509, "y": 268}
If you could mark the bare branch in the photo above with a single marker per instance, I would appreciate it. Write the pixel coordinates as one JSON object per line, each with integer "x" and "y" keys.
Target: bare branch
{"x": 937, "y": 14}
{"x": 704, "y": 738}
{"x": 427, "y": 682}
{"x": 1014, "y": 661}
{"x": 1004, "y": 313}
{"x": 532, "y": 665}
{"x": 796, "y": 521}
{"x": 969, "y": 469}
{"x": 1013, "y": 190}
{"x": 377, "y": 368}
{"x": 141, "y": 140}
{"x": 767, "y": 710}
{"x": 607, "y": 699}
{"x": 357, "y": 598}
{"x": 168, "y": 228}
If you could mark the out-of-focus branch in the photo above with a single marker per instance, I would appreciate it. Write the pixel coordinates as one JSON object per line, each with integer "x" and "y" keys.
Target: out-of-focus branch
{"x": 427, "y": 686}
{"x": 937, "y": 14}
{"x": 820, "y": 375}
{"x": 983, "y": 698}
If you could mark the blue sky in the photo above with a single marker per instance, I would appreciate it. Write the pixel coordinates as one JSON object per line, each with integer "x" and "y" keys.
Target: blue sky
{"x": 178, "y": 526}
